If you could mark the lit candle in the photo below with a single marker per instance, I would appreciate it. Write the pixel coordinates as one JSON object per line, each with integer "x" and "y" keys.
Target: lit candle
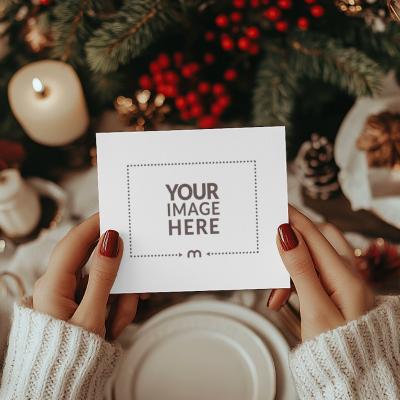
{"x": 38, "y": 87}
{"x": 19, "y": 205}
{"x": 47, "y": 99}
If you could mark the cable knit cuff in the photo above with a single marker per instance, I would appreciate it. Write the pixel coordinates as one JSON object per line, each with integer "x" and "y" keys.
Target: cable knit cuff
{"x": 52, "y": 359}
{"x": 360, "y": 360}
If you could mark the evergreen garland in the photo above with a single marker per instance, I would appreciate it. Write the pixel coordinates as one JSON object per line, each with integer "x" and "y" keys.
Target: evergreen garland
{"x": 131, "y": 31}
{"x": 110, "y": 44}
{"x": 71, "y": 28}
{"x": 318, "y": 57}
{"x": 275, "y": 89}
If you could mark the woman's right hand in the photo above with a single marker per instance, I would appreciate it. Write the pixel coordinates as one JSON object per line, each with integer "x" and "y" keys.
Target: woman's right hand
{"x": 330, "y": 293}
{"x": 62, "y": 293}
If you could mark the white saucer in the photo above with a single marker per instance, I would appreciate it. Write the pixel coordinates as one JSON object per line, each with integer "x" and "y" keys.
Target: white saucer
{"x": 197, "y": 357}
{"x": 269, "y": 333}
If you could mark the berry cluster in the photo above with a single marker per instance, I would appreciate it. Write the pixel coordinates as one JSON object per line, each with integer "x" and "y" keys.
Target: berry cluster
{"x": 233, "y": 34}
{"x": 180, "y": 81}
{"x": 278, "y": 13}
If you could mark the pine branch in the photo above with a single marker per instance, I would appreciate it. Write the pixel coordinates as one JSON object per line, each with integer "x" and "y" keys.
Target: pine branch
{"x": 383, "y": 47}
{"x": 72, "y": 27}
{"x": 317, "y": 57}
{"x": 274, "y": 91}
{"x": 133, "y": 29}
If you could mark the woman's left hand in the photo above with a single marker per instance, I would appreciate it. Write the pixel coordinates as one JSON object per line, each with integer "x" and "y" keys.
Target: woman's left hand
{"x": 330, "y": 293}
{"x": 279, "y": 297}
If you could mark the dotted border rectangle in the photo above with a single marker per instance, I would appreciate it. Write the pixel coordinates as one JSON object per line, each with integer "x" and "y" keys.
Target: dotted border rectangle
{"x": 128, "y": 166}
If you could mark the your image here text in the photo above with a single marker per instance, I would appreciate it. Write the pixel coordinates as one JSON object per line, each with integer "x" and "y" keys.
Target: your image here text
{"x": 193, "y": 209}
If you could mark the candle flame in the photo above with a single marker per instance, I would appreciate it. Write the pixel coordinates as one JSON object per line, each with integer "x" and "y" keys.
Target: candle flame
{"x": 38, "y": 86}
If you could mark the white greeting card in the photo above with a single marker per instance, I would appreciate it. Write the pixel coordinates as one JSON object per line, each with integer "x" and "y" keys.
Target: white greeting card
{"x": 196, "y": 209}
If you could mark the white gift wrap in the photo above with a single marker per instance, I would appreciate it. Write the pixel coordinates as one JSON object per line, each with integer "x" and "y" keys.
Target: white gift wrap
{"x": 375, "y": 189}
{"x": 19, "y": 205}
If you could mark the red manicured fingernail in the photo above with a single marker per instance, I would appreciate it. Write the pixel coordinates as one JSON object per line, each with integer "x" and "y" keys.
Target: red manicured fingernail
{"x": 109, "y": 245}
{"x": 287, "y": 237}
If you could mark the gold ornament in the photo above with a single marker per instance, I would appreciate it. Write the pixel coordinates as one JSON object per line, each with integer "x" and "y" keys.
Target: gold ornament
{"x": 144, "y": 111}
{"x": 35, "y": 37}
{"x": 349, "y": 7}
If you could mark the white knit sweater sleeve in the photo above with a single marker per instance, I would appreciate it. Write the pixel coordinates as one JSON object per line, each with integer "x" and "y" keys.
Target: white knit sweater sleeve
{"x": 51, "y": 359}
{"x": 360, "y": 360}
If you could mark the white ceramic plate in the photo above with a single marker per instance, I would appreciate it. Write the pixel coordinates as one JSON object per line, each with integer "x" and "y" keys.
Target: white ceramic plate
{"x": 197, "y": 357}
{"x": 269, "y": 334}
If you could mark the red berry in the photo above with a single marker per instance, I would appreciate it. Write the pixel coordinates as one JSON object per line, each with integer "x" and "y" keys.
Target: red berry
{"x": 252, "y": 32}
{"x": 272, "y": 13}
{"x": 194, "y": 67}
{"x": 282, "y": 26}
{"x": 285, "y": 4}
{"x": 317, "y": 11}
{"x": 196, "y": 111}
{"x": 160, "y": 88}
{"x": 244, "y": 43}
{"x": 222, "y": 21}
{"x": 169, "y": 91}
{"x": 192, "y": 97}
{"x": 310, "y": 1}
{"x": 254, "y": 49}
{"x": 178, "y": 58}
{"x": 203, "y": 87}
{"x": 186, "y": 71}
{"x": 218, "y": 89}
{"x": 154, "y": 67}
{"x": 227, "y": 43}
{"x": 254, "y": 3}
{"x": 190, "y": 69}
{"x": 236, "y": 17}
{"x": 171, "y": 77}
{"x": 44, "y": 2}
{"x": 158, "y": 78}
{"x": 224, "y": 101}
{"x": 230, "y": 74}
{"x": 208, "y": 121}
{"x": 216, "y": 109}
{"x": 145, "y": 82}
{"x": 303, "y": 23}
{"x": 209, "y": 36}
{"x": 163, "y": 60}
{"x": 239, "y": 3}
{"x": 180, "y": 103}
{"x": 185, "y": 115}
{"x": 209, "y": 58}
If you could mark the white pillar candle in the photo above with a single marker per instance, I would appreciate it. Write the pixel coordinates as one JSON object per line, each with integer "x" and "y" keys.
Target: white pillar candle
{"x": 19, "y": 205}
{"x": 47, "y": 99}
